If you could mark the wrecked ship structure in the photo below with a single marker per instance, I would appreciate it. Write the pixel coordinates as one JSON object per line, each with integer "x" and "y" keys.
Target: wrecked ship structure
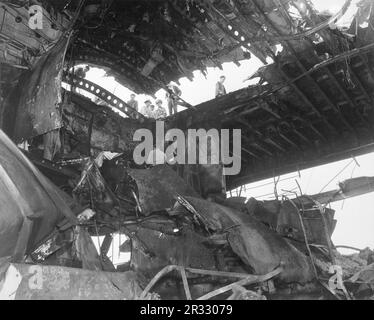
{"x": 67, "y": 172}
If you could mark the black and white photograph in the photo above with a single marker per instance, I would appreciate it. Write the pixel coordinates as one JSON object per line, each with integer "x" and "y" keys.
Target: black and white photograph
{"x": 184, "y": 155}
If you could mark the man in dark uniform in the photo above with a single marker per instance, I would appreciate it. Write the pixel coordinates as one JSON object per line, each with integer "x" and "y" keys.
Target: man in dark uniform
{"x": 132, "y": 102}
{"x": 220, "y": 88}
{"x": 172, "y": 97}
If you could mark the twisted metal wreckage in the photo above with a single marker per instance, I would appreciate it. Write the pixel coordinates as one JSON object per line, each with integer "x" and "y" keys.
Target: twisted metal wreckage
{"x": 73, "y": 176}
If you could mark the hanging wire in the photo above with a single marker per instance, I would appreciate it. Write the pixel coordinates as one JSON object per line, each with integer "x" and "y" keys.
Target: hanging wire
{"x": 338, "y": 174}
{"x": 353, "y": 170}
{"x": 304, "y": 233}
{"x": 321, "y": 208}
{"x": 276, "y": 181}
{"x": 247, "y": 188}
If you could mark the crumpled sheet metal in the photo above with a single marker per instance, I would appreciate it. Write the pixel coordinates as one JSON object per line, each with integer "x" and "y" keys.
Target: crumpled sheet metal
{"x": 158, "y": 187}
{"x": 256, "y": 245}
{"x": 152, "y": 250}
{"x": 87, "y": 253}
{"x": 41, "y": 282}
{"x": 40, "y": 96}
{"x": 288, "y": 224}
{"x": 365, "y": 278}
{"x": 283, "y": 217}
{"x": 19, "y": 35}
{"x": 47, "y": 204}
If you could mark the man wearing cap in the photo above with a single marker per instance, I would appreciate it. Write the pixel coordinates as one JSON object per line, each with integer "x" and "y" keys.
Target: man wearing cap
{"x": 148, "y": 109}
{"x": 160, "y": 112}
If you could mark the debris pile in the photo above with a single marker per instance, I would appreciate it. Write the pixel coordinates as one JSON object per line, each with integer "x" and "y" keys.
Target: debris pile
{"x": 313, "y": 103}
{"x": 182, "y": 245}
{"x": 168, "y": 223}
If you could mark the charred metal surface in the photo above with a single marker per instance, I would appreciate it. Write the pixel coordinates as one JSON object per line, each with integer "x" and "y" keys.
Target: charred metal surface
{"x": 31, "y": 205}
{"x": 21, "y": 46}
{"x": 257, "y": 246}
{"x": 158, "y": 188}
{"x": 40, "y": 95}
{"x": 185, "y": 248}
{"x": 95, "y": 128}
{"x": 285, "y": 219}
{"x": 148, "y": 46}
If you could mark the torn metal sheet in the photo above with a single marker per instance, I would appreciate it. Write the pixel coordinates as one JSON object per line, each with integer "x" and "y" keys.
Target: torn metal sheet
{"x": 97, "y": 128}
{"x": 37, "y": 282}
{"x": 152, "y": 250}
{"x": 21, "y": 46}
{"x": 30, "y": 205}
{"x": 365, "y": 279}
{"x": 40, "y": 95}
{"x": 158, "y": 187}
{"x": 288, "y": 223}
{"x": 256, "y": 245}
{"x": 87, "y": 253}
{"x": 284, "y": 218}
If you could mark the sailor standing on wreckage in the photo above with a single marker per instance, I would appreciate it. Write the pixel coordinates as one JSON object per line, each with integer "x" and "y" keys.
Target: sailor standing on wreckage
{"x": 220, "y": 88}
{"x": 148, "y": 109}
{"x": 173, "y": 98}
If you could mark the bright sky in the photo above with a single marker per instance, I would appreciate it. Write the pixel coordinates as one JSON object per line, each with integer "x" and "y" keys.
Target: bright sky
{"x": 333, "y": 6}
{"x": 355, "y": 216}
